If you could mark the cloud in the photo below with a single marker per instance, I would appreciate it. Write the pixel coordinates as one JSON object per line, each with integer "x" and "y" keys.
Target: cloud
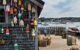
{"x": 61, "y": 8}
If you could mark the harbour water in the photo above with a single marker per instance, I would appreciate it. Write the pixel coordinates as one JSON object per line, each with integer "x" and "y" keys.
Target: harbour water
{"x": 57, "y": 24}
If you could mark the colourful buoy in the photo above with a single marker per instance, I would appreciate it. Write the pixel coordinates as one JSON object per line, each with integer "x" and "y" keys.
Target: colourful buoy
{"x": 12, "y": 23}
{"x": 21, "y": 23}
{"x": 7, "y": 8}
{"x": 7, "y": 31}
{"x": 29, "y": 7}
{"x": 35, "y": 24}
{"x": 27, "y": 29}
{"x": 15, "y": 1}
{"x": 19, "y": 2}
{"x": 16, "y": 46}
{"x": 2, "y": 30}
{"x": 22, "y": 7}
{"x": 4, "y": 2}
{"x": 15, "y": 20}
{"x": 33, "y": 34}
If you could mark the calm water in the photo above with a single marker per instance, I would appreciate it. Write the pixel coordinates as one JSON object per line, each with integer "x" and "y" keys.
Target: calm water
{"x": 53, "y": 24}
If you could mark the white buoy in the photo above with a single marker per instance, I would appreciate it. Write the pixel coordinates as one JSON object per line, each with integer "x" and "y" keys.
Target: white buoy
{"x": 7, "y": 8}
{"x": 4, "y": 2}
{"x": 15, "y": 20}
{"x": 21, "y": 23}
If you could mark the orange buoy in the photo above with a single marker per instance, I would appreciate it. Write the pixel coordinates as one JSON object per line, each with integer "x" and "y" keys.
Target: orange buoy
{"x": 7, "y": 31}
{"x": 22, "y": 7}
{"x": 29, "y": 7}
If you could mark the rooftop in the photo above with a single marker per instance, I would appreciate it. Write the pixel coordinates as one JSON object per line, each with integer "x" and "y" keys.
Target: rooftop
{"x": 39, "y": 3}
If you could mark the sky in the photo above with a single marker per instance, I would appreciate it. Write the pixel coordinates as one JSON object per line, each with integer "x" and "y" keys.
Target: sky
{"x": 61, "y": 8}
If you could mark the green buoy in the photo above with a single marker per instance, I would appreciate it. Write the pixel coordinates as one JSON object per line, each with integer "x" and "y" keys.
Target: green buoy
{"x": 16, "y": 46}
